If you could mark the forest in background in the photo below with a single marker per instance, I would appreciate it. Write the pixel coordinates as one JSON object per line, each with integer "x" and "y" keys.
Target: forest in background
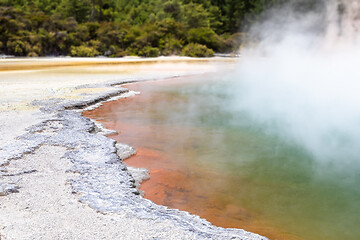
{"x": 117, "y": 28}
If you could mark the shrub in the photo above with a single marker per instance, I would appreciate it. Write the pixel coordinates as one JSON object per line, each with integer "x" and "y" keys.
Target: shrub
{"x": 172, "y": 46}
{"x": 16, "y": 47}
{"x": 234, "y": 42}
{"x": 92, "y": 29}
{"x": 197, "y": 50}
{"x": 36, "y": 50}
{"x": 83, "y": 51}
{"x": 120, "y": 54}
{"x": 115, "y": 51}
{"x": 32, "y": 54}
{"x": 149, "y": 52}
{"x": 204, "y": 36}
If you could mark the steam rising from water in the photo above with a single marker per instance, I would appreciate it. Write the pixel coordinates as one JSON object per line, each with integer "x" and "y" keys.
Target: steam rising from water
{"x": 302, "y": 77}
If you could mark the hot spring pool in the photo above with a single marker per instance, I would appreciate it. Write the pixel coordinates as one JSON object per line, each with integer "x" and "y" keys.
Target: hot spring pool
{"x": 229, "y": 166}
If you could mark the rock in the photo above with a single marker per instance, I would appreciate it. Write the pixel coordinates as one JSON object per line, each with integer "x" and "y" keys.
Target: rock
{"x": 139, "y": 175}
{"x": 7, "y": 188}
{"x": 124, "y": 151}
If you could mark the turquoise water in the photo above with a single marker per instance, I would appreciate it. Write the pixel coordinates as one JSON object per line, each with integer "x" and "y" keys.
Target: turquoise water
{"x": 259, "y": 166}
{"x": 284, "y": 181}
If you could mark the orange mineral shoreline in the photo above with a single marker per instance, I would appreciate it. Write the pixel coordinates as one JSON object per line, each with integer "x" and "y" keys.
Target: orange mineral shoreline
{"x": 13, "y": 64}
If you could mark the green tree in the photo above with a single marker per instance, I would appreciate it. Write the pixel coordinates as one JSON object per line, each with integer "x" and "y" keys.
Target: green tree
{"x": 121, "y": 27}
{"x": 80, "y": 9}
{"x": 196, "y": 16}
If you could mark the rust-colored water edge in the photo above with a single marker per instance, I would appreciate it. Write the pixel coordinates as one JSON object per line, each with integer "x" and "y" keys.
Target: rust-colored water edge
{"x": 163, "y": 147}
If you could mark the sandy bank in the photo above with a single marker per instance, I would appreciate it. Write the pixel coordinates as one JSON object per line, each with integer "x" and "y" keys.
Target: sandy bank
{"x": 44, "y": 63}
{"x": 60, "y": 177}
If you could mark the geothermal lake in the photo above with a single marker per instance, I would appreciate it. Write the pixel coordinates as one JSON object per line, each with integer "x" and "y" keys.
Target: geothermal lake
{"x": 223, "y": 164}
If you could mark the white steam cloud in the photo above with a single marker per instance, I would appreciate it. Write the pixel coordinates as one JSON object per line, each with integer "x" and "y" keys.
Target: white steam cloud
{"x": 302, "y": 77}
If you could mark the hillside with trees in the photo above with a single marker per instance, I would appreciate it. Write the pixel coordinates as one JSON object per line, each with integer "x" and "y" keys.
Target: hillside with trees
{"x": 116, "y": 28}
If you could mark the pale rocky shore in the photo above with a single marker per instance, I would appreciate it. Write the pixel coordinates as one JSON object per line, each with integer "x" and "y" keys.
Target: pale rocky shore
{"x": 60, "y": 176}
